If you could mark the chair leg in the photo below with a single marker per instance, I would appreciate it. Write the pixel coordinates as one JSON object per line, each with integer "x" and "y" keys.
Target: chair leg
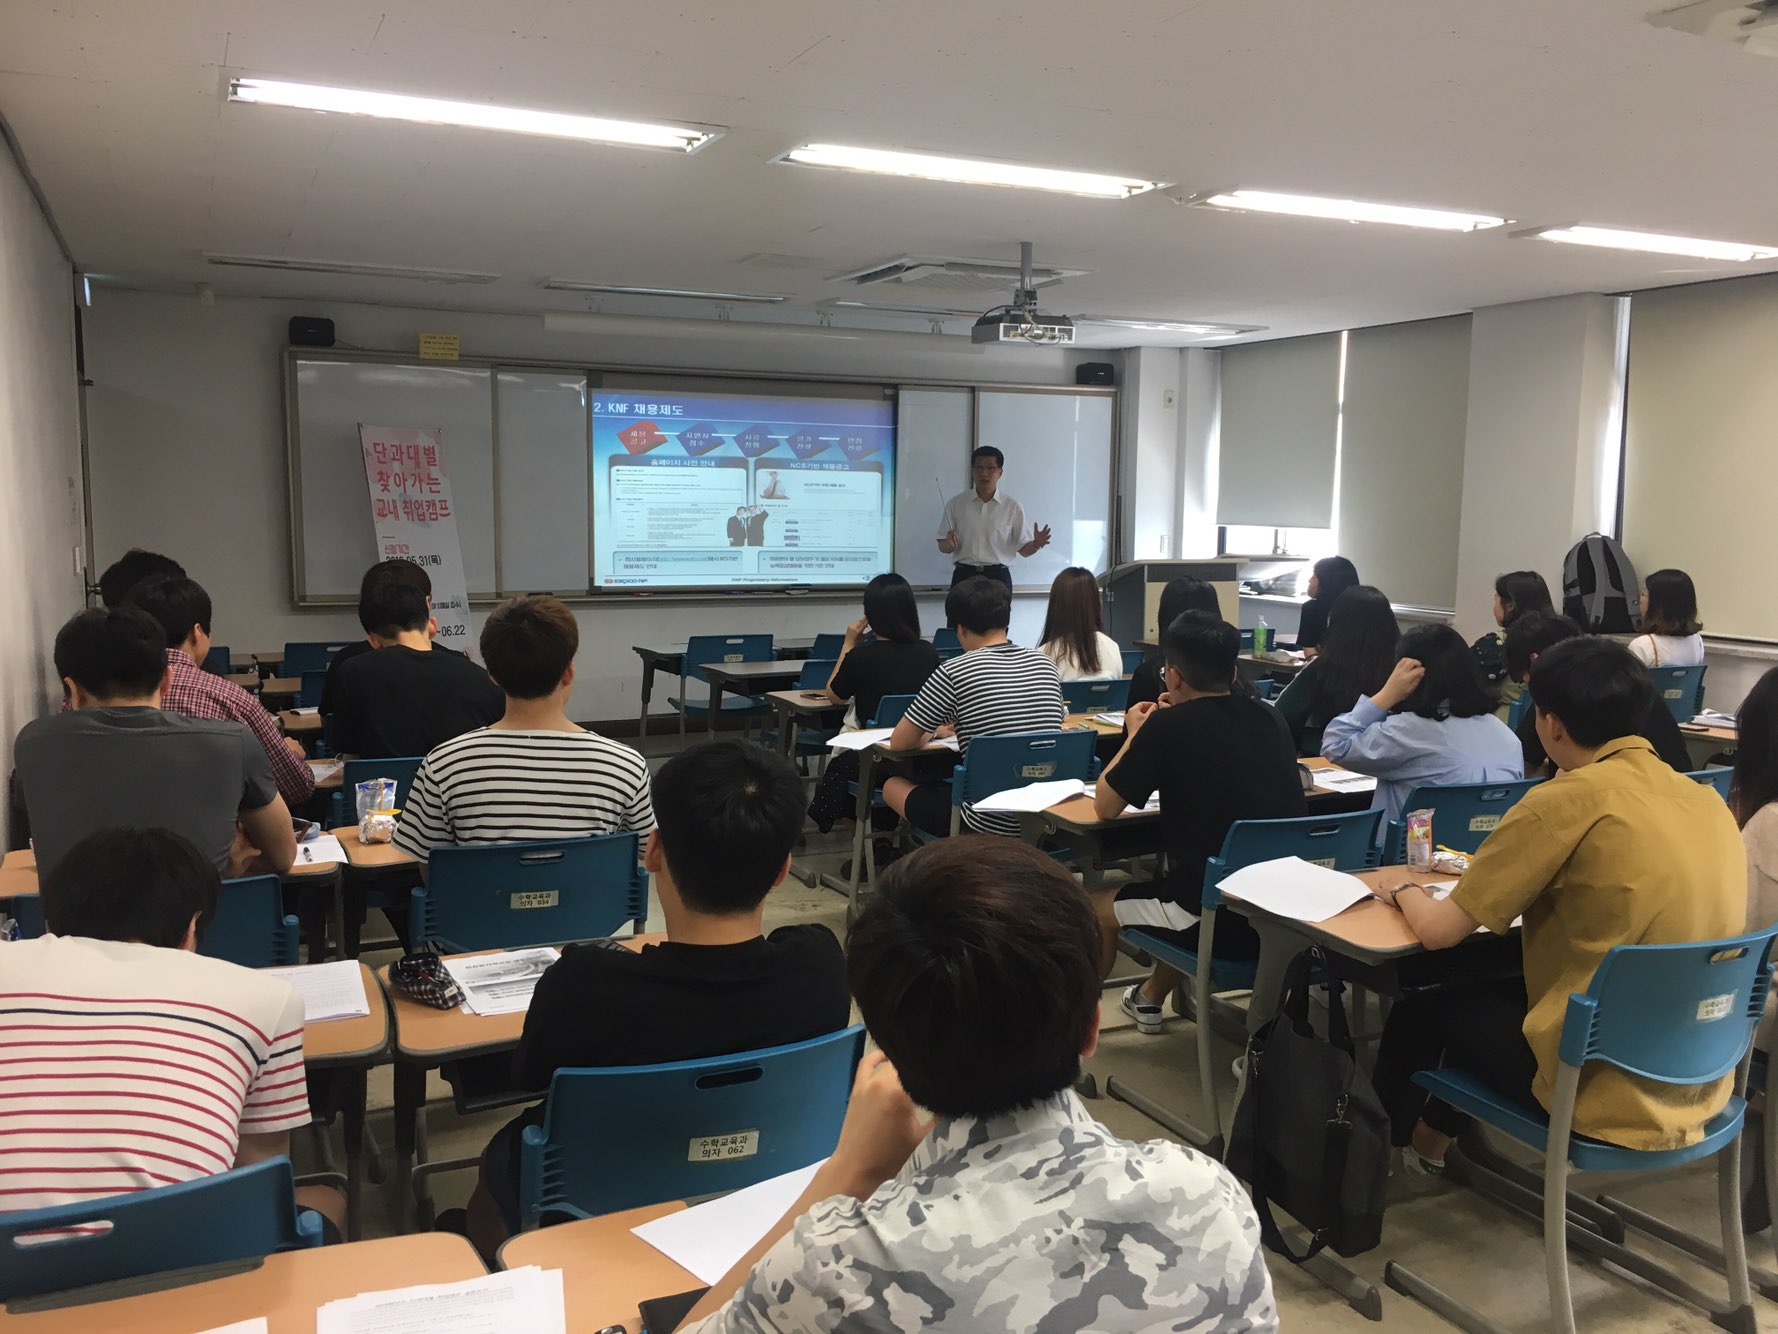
{"x": 1728, "y": 1195}
{"x": 1555, "y": 1238}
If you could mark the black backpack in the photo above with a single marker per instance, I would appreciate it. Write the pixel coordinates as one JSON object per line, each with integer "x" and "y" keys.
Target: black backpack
{"x": 1599, "y": 587}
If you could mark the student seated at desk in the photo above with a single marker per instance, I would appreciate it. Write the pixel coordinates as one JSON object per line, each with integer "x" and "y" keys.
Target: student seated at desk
{"x": 994, "y": 686}
{"x": 1331, "y": 576}
{"x": 131, "y": 1060}
{"x": 1754, "y": 801}
{"x": 1074, "y": 635}
{"x": 1617, "y": 850}
{"x": 883, "y": 654}
{"x": 392, "y": 571}
{"x": 117, "y": 758}
{"x": 533, "y": 774}
{"x": 1516, "y": 593}
{"x": 1215, "y": 758}
{"x": 728, "y": 814}
{"x": 1671, "y": 631}
{"x": 1432, "y": 723}
{"x": 1186, "y": 593}
{"x": 182, "y": 608}
{"x": 132, "y": 568}
{"x": 405, "y": 698}
{"x": 976, "y": 968}
{"x": 1357, "y": 654}
{"x": 1534, "y": 634}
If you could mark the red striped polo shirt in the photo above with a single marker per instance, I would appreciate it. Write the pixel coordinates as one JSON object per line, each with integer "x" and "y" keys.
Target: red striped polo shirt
{"x": 125, "y": 1066}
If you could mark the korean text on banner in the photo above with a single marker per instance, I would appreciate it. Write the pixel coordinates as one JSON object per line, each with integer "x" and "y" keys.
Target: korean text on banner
{"x": 410, "y": 504}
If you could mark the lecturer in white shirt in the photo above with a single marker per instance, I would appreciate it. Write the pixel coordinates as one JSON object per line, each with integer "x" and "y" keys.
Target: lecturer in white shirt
{"x": 985, "y": 530}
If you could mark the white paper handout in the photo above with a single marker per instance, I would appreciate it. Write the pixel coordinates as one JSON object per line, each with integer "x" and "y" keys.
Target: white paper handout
{"x": 527, "y": 1299}
{"x": 329, "y": 990}
{"x": 709, "y": 1238}
{"x": 1714, "y": 718}
{"x": 1115, "y": 719}
{"x": 866, "y": 737}
{"x": 1151, "y": 807}
{"x": 321, "y": 850}
{"x": 325, "y": 769}
{"x": 1292, "y": 887}
{"x": 1343, "y": 780}
{"x": 257, "y": 1325}
{"x": 1033, "y": 797}
{"x": 501, "y": 983}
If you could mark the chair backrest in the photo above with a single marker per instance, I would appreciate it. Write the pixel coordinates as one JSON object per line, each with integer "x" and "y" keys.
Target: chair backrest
{"x": 28, "y": 913}
{"x": 1265, "y": 687}
{"x": 309, "y": 696}
{"x": 1133, "y": 658}
{"x": 1343, "y": 842}
{"x": 241, "y": 1214}
{"x": 1463, "y": 814}
{"x": 401, "y": 768}
{"x": 1720, "y": 779}
{"x": 219, "y": 660}
{"x": 311, "y": 656}
{"x": 1516, "y": 711}
{"x": 889, "y": 710}
{"x": 619, "y": 1138}
{"x": 1680, "y": 1014}
{"x": 1096, "y": 696}
{"x": 946, "y": 637}
{"x": 815, "y": 673}
{"x": 506, "y": 895}
{"x": 250, "y": 927}
{"x": 1246, "y": 641}
{"x": 827, "y": 646}
{"x": 953, "y": 651}
{"x": 1681, "y": 689}
{"x": 703, "y": 649}
{"x": 999, "y": 763}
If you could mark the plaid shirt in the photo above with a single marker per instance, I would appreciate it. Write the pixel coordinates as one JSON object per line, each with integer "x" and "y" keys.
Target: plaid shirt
{"x": 195, "y": 693}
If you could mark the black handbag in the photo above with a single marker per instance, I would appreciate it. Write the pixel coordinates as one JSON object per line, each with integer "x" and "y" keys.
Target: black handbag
{"x": 1310, "y": 1135}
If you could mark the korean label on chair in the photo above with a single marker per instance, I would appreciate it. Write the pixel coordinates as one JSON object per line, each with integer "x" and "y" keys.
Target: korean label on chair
{"x": 719, "y": 1148}
{"x": 1483, "y": 824}
{"x": 536, "y": 898}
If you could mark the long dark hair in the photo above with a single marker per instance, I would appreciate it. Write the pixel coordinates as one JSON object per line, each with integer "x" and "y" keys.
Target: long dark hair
{"x": 1333, "y": 576}
{"x": 1357, "y": 654}
{"x": 1074, "y": 618}
{"x": 1672, "y": 605}
{"x": 1454, "y": 685}
{"x": 889, "y": 607}
{"x": 1521, "y": 591}
{"x": 1756, "y": 749}
{"x": 1186, "y": 593}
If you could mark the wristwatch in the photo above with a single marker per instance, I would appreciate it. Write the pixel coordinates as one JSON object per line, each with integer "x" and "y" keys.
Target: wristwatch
{"x": 1395, "y": 897}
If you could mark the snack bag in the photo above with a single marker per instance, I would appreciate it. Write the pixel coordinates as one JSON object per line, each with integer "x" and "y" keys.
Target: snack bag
{"x": 1419, "y": 826}
{"x": 376, "y": 810}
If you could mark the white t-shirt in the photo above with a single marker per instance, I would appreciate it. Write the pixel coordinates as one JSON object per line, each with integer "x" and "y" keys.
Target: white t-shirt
{"x": 1669, "y": 650}
{"x": 990, "y": 534}
{"x": 1109, "y": 663}
{"x": 130, "y": 1066}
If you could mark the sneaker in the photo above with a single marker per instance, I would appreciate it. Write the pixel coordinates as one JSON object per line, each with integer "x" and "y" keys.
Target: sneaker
{"x": 1422, "y": 1171}
{"x": 1144, "y": 1011}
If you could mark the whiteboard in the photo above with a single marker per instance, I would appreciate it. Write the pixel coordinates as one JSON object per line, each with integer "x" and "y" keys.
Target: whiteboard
{"x": 934, "y": 434}
{"x": 542, "y": 462}
{"x": 1058, "y": 467}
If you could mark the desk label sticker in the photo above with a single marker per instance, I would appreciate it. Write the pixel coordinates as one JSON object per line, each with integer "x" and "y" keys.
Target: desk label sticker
{"x": 1483, "y": 824}
{"x": 720, "y": 1148}
{"x": 1715, "y": 1007}
{"x": 1328, "y": 862}
{"x": 537, "y": 898}
{"x": 1036, "y": 771}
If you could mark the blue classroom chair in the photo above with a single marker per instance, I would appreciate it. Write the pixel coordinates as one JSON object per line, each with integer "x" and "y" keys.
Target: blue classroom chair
{"x": 309, "y": 697}
{"x": 1342, "y": 842}
{"x": 219, "y": 660}
{"x": 1096, "y": 696}
{"x": 702, "y": 650}
{"x": 1463, "y": 814}
{"x": 617, "y": 1138}
{"x": 809, "y": 740}
{"x": 1676, "y": 1014}
{"x": 1720, "y": 779}
{"x": 828, "y": 646}
{"x": 1133, "y": 658}
{"x": 1516, "y": 711}
{"x": 1266, "y": 687}
{"x": 239, "y": 1215}
{"x": 250, "y": 927}
{"x": 889, "y": 710}
{"x": 344, "y": 807}
{"x": 508, "y": 895}
{"x": 1001, "y": 762}
{"x": 946, "y": 654}
{"x": 946, "y": 637}
{"x": 1681, "y": 689}
{"x": 311, "y": 656}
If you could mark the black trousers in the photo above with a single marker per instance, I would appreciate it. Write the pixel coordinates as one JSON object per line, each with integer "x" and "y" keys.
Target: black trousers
{"x": 960, "y": 572}
{"x": 1475, "y": 1027}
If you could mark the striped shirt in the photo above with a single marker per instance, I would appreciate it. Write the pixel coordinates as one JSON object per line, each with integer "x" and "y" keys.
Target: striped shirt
{"x": 1001, "y": 688}
{"x": 495, "y": 785}
{"x": 127, "y": 1066}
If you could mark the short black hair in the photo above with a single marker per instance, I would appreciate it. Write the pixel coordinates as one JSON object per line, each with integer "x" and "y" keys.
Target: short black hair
{"x": 131, "y": 884}
{"x": 1595, "y": 686}
{"x": 386, "y": 608}
{"x": 117, "y": 654}
{"x": 1183, "y": 594}
{"x": 396, "y": 571}
{"x": 176, "y": 602}
{"x": 1202, "y": 648}
{"x": 988, "y": 452}
{"x": 976, "y": 968}
{"x": 1333, "y": 576}
{"x": 1455, "y": 686}
{"x": 890, "y": 608}
{"x": 728, "y": 813}
{"x": 130, "y": 569}
{"x": 1672, "y": 604}
{"x": 979, "y": 605}
{"x": 1523, "y": 591}
{"x": 527, "y": 644}
{"x": 1533, "y": 633}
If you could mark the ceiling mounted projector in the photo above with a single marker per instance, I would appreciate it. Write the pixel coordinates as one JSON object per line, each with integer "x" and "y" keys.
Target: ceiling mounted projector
{"x": 1021, "y": 321}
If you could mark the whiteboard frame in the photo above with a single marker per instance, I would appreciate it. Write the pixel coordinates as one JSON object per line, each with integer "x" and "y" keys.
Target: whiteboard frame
{"x": 592, "y": 596}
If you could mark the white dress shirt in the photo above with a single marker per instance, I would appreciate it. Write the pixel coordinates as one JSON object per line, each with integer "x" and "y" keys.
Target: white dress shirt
{"x": 990, "y": 533}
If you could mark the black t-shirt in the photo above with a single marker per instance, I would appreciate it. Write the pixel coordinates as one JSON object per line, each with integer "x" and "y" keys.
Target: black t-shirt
{"x": 1311, "y": 626}
{"x": 881, "y": 667}
{"x": 1214, "y": 761}
{"x": 1146, "y": 685}
{"x": 345, "y": 655}
{"x": 672, "y": 1002}
{"x": 1660, "y": 729}
{"x": 402, "y": 701}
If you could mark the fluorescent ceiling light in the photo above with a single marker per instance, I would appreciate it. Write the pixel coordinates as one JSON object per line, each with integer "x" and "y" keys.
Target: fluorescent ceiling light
{"x": 1349, "y": 210}
{"x": 965, "y": 171}
{"x": 475, "y": 115}
{"x": 1654, "y": 243}
{"x": 290, "y": 265}
{"x": 1188, "y": 328}
{"x": 613, "y": 289}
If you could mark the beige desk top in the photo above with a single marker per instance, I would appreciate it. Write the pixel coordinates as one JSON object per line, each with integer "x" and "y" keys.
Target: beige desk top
{"x": 299, "y": 724}
{"x": 803, "y": 701}
{"x": 281, "y": 685}
{"x": 18, "y": 874}
{"x": 287, "y": 1289}
{"x": 246, "y": 680}
{"x": 1078, "y": 812}
{"x": 1372, "y": 925}
{"x": 606, "y": 1269}
{"x": 368, "y": 856}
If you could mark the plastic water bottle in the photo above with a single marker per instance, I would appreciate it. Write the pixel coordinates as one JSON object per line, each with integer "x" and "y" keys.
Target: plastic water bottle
{"x": 1262, "y": 639}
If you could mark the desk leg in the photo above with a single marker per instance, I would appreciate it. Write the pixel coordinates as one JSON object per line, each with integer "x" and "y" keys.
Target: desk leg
{"x": 861, "y": 830}
{"x": 715, "y": 704}
{"x": 410, "y": 1093}
{"x": 357, "y": 1081}
{"x": 786, "y": 729}
{"x": 1278, "y": 945}
{"x": 647, "y": 694}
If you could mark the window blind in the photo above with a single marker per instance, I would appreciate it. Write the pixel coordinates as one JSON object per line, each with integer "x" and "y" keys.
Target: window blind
{"x": 1280, "y": 406}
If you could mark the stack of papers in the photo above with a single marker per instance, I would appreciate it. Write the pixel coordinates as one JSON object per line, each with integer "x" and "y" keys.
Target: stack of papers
{"x": 1033, "y": 797}
{"x": 1153, "y": 805}
{"x": 325, "y": 769}
{"x": 501, "y": 983}
{"x": 320, "y": 850}
{"x": 329, "y": 990}
{"x": 528, "y": 1299}
{"x": 1291, "y": 887}
{"x": 1110, "y": 719}
{"x": 308, "y": 712}
{"x": 867, "y": 737}
{"x": 1343, "y": 780}
{"x": 709, "y": 1238}
{"x": 1715, "y": 718}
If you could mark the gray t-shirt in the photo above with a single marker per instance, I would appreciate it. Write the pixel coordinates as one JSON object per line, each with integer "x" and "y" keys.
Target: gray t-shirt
{"x": 94, "y": 769}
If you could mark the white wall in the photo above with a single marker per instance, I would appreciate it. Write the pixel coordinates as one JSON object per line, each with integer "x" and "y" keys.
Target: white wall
{"x": 40, "y": 490}
{"x": 186, "y": 440}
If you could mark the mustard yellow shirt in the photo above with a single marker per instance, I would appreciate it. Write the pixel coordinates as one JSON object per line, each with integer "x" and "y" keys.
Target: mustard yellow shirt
{"x": 1621, "y": 852}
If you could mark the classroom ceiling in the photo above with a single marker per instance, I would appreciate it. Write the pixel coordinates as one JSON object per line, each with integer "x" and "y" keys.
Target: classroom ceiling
{"x": 1545, "y": 111}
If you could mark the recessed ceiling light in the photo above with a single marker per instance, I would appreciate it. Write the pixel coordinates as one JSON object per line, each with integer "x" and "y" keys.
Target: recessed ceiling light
{"x": 964, "y": 171}
{"x": 613, "y": 289}
{"x": 1654, "y": 243}
{"x": 474, "y": 115}
{"x": 290, "y": 265}
{"x": 1187, "y": 328}
{"x": 1348, "y": 210}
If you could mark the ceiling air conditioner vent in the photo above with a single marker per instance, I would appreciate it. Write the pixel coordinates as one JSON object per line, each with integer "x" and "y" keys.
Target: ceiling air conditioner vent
{"x": 947, "y": 274}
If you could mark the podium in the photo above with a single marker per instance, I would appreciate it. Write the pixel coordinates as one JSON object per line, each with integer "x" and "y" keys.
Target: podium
{"x": 1133, "y": 590}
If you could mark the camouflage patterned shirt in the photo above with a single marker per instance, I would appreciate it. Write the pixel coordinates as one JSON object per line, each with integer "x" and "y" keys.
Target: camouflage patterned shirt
{"x": 1038, "y": 1220}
